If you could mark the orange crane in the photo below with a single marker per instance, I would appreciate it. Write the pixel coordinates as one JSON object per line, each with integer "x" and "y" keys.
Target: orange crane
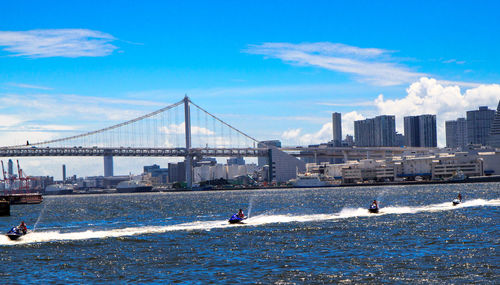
{"x": 23, "y": 180}
{"x": 4, "y": 176}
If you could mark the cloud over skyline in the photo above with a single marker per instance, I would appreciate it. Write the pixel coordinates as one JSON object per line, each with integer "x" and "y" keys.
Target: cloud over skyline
{"x": 425, "y": 96}
{"x": 57, "y": 43}
{"x": 372, "y": 65}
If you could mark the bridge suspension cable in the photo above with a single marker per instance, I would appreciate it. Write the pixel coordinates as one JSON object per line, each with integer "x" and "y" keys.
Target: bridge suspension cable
{"x": 163, "y": 128}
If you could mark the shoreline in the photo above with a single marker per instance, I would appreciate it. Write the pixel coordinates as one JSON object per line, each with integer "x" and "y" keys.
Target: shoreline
{"x": 484, "y": 179}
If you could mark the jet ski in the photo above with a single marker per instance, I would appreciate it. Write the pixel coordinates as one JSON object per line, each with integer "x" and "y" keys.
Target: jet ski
{"x": 235, "y": 219}
{"x": 373, "y": 209}
{"x": 456, "y": 201}
{"x": 15, "y": 233}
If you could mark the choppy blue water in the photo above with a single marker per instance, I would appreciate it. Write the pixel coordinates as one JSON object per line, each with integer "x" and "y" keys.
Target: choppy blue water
{"x": 292, "y": 236}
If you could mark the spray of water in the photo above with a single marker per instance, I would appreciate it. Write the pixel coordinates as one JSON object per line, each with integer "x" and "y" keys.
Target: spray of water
{"x": 250, "y": 205}
{"x": 40, "y": 215}
{"x": 346, "y": 213}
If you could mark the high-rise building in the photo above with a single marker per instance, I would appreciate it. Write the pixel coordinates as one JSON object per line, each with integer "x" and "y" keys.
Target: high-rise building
{"x": 364, "y": 132}
{"x": 385, "y": 130}
{"x": 378, "y": 131}
{"x": 494, "y": 138}
{"x": 420, "y": 131}
{"x": 400, "y": 140}
{"x": 456, "y": 133}
{"x": 337, "y": 129}
{"x": 64, "y": 172}
{"x": 479, "y": 124}
{"x": 10, "y": 168}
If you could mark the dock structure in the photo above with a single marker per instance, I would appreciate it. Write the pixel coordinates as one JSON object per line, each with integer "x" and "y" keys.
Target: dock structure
{"x": 22, "y": 198}
{"x": 4, "y": 207}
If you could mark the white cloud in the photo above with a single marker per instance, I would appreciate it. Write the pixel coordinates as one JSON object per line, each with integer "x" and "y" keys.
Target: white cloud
{"x": 353, "y": 103}
{"x": 348, "y": 122}
{"x": 9, "y": 121}
{"x": 57, "y": 43}
{"x": 297, "y": 137}
{"x": 30, "y": 86}
{"x": 367, "y": 64}
{"x": 428, "y": 96}
{"x": 291, "y": 134}
{"x": 372, "y": 65}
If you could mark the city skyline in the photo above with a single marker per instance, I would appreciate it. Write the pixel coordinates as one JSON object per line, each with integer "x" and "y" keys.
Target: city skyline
{"x": 70, "y": 68}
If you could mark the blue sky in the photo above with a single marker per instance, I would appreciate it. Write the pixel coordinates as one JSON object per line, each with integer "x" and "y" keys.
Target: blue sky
{"x": 275, "y": 69}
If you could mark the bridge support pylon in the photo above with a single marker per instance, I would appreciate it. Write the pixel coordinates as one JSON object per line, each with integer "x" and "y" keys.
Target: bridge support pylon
{"x": 108, "y": 165}
{"x": 189, "y": 158}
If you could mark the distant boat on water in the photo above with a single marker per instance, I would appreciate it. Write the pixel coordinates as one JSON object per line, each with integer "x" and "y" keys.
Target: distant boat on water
{"x": 132, "y": 186}
{"x": 59, "y": 189}
{"x": 308, "y": 180}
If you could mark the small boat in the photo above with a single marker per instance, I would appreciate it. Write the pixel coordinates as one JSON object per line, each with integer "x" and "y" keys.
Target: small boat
{"x": 456, "y": 201}
{"x": 15, "y": 233}
{"x": 235, "y": 219}
{"x": 373, "y": 209}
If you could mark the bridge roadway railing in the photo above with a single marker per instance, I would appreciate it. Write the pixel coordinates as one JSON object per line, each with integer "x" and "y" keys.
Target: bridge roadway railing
{"x": 181, "y": 152}
{"x": 130, "y": 151}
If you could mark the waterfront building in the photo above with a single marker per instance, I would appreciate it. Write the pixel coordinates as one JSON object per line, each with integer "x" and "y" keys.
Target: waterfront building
{"x": 367, "y": 170}
{"x": 283, "y": 166}
{"x": 213, "y": 172}
{"x": 479, "y": 124}
{"x": 456, "y": 133}
{"x": 420, "y": 131}
{"x": 156, "y": 175}
{"x": 494, "y": 138}
{"x": 263, "y": 160}
{"x": 177, "y": 172}
{"x": 337, "y": 129}
{"x": 379, "y": 131}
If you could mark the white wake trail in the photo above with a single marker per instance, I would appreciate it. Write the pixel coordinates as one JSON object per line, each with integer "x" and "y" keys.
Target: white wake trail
{"x": 50, "y": 236}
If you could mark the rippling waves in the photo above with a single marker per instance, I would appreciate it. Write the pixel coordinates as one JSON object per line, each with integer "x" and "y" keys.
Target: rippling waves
{"x": 297, "y": 236}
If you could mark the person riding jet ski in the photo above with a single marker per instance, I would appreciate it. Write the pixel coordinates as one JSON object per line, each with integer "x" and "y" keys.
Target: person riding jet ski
{"x": 237, "y": 218}
{"x": 240, "y": 214}
{"x": 373, "y": 207}
{"x": 457, "y": 200}
{"x": 17, "y": 232}
{"x": 23, "y": 228}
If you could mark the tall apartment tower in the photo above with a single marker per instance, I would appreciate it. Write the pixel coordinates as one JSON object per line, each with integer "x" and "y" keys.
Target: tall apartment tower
{"x": 420, "y": 131}
{"x": 385, "y": 130}
{"x": 479, "y": 124}
{"x": 378, "y": 131}
{"x": 456, "y": 133}
{"x": 64, "y": 172}
{"x": 337, "y": 129}
{"x": 494, "y": 138}
{"x": 10, "y": 168}
{"x": 364, "y": 132}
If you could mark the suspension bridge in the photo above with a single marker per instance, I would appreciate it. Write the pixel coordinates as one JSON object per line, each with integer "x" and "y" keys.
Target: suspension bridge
{"x": 173, "y": 131}
{"x": 177, "y": 130}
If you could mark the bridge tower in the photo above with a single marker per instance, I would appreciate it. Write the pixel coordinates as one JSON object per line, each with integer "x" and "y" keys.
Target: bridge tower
{"x": 189, "y": 158}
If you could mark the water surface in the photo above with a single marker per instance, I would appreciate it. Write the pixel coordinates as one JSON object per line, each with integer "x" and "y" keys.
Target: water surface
{"x": 293, "y": 235}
